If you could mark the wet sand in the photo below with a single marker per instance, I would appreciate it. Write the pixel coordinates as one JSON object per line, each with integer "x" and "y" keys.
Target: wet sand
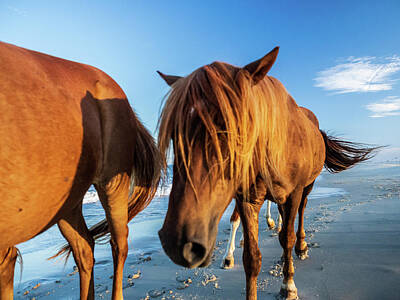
{"x": 354, "y": 241}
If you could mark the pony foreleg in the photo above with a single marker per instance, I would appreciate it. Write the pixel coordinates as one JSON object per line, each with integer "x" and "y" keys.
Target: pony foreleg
{"x": 75, "y": 231}
{"x": 8, "y": 258}
{"x": 114, "y": 198}
{"x": 228, "y": 259}
{"x": 251, "y": 253}
{"x": 301, "y": 248}
{"x": 270, "y": 221}
{"x": 287, "y": 239}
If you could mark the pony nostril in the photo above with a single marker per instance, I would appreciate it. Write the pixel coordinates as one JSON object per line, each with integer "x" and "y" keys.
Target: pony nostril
{"x": 193, "y": 253}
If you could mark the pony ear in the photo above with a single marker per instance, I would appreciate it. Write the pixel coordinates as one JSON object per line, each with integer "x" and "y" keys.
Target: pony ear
{"x": 169, "y": 79}
{"x": 259, "y": 68}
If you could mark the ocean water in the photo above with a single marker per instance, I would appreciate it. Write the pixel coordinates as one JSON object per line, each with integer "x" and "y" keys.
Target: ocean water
{"x": 143, "y": 238}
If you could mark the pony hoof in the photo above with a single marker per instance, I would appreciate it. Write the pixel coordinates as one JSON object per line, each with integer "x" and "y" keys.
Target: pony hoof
{"x": 271, "y": 224}
{"x": 286, "y": 294}
{"x": 228, "y": 263}
{"x": 302, "y": 254}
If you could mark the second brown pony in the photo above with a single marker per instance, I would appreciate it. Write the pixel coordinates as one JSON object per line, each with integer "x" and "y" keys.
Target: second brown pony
{"x": 238, "y": 133}
{"x": 63, "y": 127}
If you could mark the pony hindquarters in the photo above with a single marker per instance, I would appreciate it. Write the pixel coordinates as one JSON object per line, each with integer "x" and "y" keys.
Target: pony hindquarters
{"x": 50, "y": 150}
{"x": 65, "y": 126}
{"x": 127, "y": 183}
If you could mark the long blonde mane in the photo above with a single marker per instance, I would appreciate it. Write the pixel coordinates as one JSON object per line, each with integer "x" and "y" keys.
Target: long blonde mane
{"x": 234, "y": 122}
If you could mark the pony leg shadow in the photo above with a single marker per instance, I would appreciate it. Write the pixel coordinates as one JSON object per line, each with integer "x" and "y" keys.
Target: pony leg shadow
{"x": 8, "y": 257}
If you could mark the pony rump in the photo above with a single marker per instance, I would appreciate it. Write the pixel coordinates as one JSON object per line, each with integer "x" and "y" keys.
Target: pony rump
{"x": 218, "y": 108}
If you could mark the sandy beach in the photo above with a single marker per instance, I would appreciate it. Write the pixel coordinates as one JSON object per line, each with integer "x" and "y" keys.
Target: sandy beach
{"x": 353, "y": 230}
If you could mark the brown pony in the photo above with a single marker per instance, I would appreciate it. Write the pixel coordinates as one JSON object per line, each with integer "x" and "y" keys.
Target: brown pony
{"x": 238, "y": 133}
{"x": 63, "y": 127}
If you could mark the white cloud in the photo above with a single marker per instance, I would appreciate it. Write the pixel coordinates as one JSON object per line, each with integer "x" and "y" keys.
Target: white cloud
{"x": 390, "y": 106}
{"x": 364, "y": 74}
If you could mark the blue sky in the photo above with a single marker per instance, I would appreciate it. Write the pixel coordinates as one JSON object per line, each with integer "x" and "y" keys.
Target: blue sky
{"x": 341, "y": 59}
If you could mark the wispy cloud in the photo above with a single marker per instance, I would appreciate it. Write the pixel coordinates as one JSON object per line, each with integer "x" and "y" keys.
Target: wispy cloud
{"x": 390, "y": 106}
{"x": 364, "y": 74}
{"x": 17, "y": 10}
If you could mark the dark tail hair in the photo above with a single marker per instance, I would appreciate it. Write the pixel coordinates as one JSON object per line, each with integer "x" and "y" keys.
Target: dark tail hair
{"x": 144, "y": 182}
{"x": 342, "y": 155}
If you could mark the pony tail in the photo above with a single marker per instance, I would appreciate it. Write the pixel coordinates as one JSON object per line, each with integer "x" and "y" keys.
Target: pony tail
{"x": 146, "y": 171}
{"x": 342, "y": 155}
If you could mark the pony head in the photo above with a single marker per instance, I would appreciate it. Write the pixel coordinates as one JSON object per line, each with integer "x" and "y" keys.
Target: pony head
{"x": 214, "y": 120}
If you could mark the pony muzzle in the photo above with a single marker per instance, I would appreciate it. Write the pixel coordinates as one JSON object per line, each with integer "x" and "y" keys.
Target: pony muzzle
{"x": 190, "y": 254}
{"x": 194, "y": 254}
